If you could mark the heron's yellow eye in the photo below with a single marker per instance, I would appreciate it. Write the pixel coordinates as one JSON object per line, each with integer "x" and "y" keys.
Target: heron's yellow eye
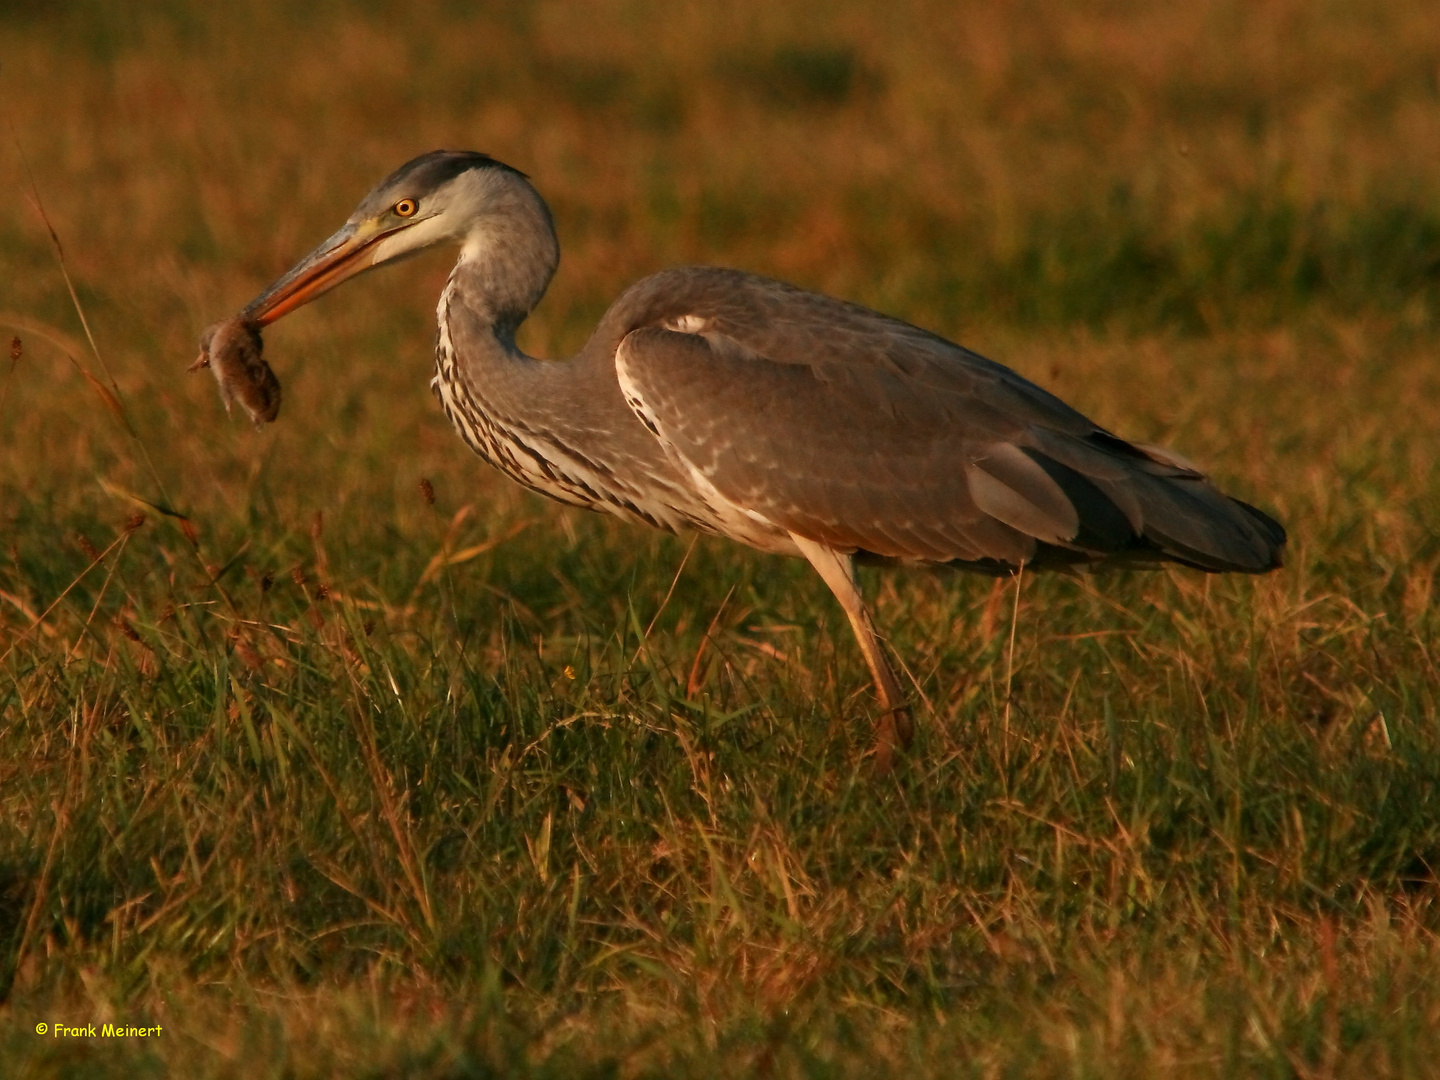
{"x": 405, "y": 208}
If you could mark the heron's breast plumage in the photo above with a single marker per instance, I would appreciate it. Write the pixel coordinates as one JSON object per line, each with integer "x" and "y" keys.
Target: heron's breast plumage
{"x": 526, "y": 456}
{"x": 533, "y": 453}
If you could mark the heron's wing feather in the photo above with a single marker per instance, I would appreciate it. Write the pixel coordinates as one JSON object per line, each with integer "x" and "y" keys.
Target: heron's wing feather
{"x": 871, "y": 435}
{"x": 788, "y": 325}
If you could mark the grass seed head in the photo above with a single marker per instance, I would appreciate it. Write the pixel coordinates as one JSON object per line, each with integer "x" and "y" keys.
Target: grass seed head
{"x": 83, "y": 542}
{"x": 427, "y": 491}
{"x": 15, "y": 350}
{"x": 248, "y": 655}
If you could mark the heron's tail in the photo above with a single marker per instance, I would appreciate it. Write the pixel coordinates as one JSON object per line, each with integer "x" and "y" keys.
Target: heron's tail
{"x": 1142, "y": 503}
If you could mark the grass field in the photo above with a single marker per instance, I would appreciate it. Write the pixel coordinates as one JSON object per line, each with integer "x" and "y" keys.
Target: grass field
{"x": 357, "y": 785}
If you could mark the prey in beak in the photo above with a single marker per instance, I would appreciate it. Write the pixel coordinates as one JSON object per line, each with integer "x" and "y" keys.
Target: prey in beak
{"x": 233, "y": 350}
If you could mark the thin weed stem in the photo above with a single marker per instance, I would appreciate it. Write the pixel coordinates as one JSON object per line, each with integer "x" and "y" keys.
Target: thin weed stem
{"x": 1010, "y": 659}
{"x": 56, "y": 602}
{"x": 15, "y": 353}
{"x": 669, "y": 592}
{"x": 104, "y": 588}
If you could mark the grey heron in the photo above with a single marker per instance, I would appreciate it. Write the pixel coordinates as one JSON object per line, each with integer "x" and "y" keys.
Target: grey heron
{"x": 717, "y": 400}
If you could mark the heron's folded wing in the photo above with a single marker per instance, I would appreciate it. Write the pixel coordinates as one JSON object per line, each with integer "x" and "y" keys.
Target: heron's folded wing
{"x": 925, "y": 456}
{"x": 854, "y": 458}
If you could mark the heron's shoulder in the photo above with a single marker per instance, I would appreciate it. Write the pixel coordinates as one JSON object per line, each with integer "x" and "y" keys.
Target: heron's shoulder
{"x": 699, "y": 290}
{"x": 780, "y": 320}
{"x": 742, "y": 304}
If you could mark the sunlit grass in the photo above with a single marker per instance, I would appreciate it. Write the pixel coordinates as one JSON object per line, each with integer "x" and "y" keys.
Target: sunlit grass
{"x": 367, "y": 785}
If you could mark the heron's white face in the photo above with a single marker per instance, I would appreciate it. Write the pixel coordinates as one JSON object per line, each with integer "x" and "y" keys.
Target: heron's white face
{"x": 450, "y": 212}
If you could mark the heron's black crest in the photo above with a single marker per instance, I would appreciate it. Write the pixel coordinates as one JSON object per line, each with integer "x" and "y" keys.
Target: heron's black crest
{"x": 429, "y": 171}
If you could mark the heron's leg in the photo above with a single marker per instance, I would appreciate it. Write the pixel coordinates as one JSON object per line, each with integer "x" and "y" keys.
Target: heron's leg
{"x": 838, "y": 571}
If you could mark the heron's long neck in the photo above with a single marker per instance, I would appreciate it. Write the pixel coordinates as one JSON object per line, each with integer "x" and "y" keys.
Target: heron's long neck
{"x": 506, "y": 405}
{"x": 483, "y": 379}
{"x": 560, "y": 428}
{"x": 505, "y": 265}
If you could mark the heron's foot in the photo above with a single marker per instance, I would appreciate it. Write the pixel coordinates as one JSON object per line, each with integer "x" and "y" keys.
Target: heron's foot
{"x": 893, "y": 735}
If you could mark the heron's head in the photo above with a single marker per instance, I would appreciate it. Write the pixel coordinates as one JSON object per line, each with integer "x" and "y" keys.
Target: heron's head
{"x": 445, "y": 195}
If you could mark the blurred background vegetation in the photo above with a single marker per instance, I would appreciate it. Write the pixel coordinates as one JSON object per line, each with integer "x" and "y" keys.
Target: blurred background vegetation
{"x": 1199, "y": 844}
{"x": 1146, "y": 165}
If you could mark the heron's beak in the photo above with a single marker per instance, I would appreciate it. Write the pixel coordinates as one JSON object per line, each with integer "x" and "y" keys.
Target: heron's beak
{"x": 347, "y": 253}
